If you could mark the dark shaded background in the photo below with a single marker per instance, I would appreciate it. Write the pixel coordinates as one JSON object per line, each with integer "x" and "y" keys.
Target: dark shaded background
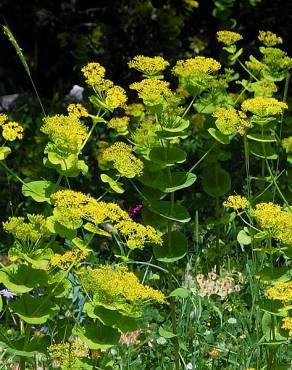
{"x": 58, "y": 37}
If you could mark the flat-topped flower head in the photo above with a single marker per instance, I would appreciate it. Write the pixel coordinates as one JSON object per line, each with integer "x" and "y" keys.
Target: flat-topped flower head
{"x": 263, "y": 107}
{"x": 64, "y": 261}
{"x": 115, "y": 283}
{"x": 236, "y": 202}
{"x": 120, "y": 124}
{"x": 135, "y": 110}
{"x": 78, "y": 110}
{"x": 123, "y": 159}
{"x": 11, "y": 131}
{"x": 151, "y": 89}
{"x": 287, "y": 144}
{"x": 281, "y": 291}
{"x": 3, "y": 118}
{"x": 115, "y": 97}
{"x": 276, "y": 59}
{"x": 67, "y": 354}
{"x": 269, "y": 38}
{"x": 196, "y": 66}
{"x": 30, "y": 231}
{"x": 229, "y": 121}
{"x": 66, "y": 132}
{"x": 147, "y": 65}
{"x": 273, "y": 219}
{"x": 94, "y": 73}
{"x": 255, "y": 66}
{"x": 137, "y": 234}
{"x": 228, "y": 37}
{"x": 287, "y": 324}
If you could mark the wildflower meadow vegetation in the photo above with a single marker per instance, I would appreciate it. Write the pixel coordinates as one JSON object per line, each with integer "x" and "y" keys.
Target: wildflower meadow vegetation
{"x": 154, "y": 224}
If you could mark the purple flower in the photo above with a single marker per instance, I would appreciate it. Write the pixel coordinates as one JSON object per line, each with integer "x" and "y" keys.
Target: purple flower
{"x": 7, "y": 294}
{"x": 134, "y": 211}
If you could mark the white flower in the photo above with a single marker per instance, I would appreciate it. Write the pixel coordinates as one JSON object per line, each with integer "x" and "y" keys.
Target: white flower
{"x": 189, "y": 366}
{"x": 161, "y": 340}
{"x": 232, "y": 320}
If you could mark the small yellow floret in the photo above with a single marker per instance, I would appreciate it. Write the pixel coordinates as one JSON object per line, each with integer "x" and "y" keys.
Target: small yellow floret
{"x": 119, "y": 124}
{"x": 12, "y": 131}
{"x": 123, "y": 159}
{"x": 151, "y": 89}
{"x": 236, "y": 202}
{"x": 116, "y": 97}
{"x": 196, "y": 66}
{"x": 149, "y": 66}
{"x": 228, "y": 37}
{"x": 281, "y": 292}
{"x": 78, "y": 110}
{"x": 269, "y": 38}
{"x": 3, "y": 118}
{"x": 64, "y": 261}
{"x": 230, "y": 121}
{"x": 287, "y": 324}
{"x": 94, "y": 73}
{"x": 263, "y": 107}
{"x": 287, "y": 144}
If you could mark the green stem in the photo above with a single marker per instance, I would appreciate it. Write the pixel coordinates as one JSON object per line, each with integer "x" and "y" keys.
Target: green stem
{"x": 244, "y": 67}
{"x": 201, "y": 159}
{"x": 188, "y": 107}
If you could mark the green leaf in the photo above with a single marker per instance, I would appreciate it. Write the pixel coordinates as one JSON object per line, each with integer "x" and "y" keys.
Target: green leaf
{"x": 34, "y": 310}
{"x": 243, "y": 238}
{"x": 271, "y": 329}
{"x": 4, "y": 152}
{"x": 97, "y": 336}
{"x": 56, "y": 228}
{"x": 166, "y": 333}
{"x": 167, "y": 156}
{"x": 262, "y": 138}
{"x": 22, "y": 278}
{"x": 277, "y": 274}
{"x": 175, "y": 212}
{"x": 180, "y": 292}
{"x": 179, "y": 180}
{"x": 40, "y": 191}
{"x": 38, "y": 258}
{"x": 95, "y": 230}
{"x": 177, "y": 125}
{"x": 265, "y": 150}
{"x": 216, "y": 181}
{"x": 173, "y": 251}
{"x": 217, "y": 135}
{"x": 111, "y": 318}
{"x": 171, "y": 135}
{"x": 114, "y": 185}
{"x": 1, "y": 303}
{"x": 274, "y": 307}
{"x": 15, "y": 346}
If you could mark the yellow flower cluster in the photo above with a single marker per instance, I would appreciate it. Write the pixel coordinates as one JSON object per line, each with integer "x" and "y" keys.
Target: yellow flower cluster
{"x": 3, "y": 118}
{"x": 269, "y": 38}
{"x": 68, "y": 353}
{"x": 151, "y": 89}
{"x": 10, "y": 130}
{"x": 116, "y": 282}
{"x": 135, "y": 110}
{"x": 149, "y": 66}
{"x": 255, "y": 66}
{"x": 64, "y": 261}
{"x": 287, "y": 324}
{"x": 71, "y": 204}
{"x": 78, "y": 110}
{"x": 236, "y": 202}
{"x": 263, "y": 107}
{"x": 196, "y": 66}
{"x": 279, "y": 223}
{"x": 32, "y": 230}
{"x": 138, "y": 235}
{"x": 228, "y": 37}
{"x": 94, "y": 73}
{"x": 144, "y": 135}
{"x": 120, "y": 124}
{"x": 116, "y": 97}
{"x": 83, "y": 206}
{"x": 281, "y": 292}
{"x": 230, "y": 121}
{"x": 123, "y": 160}
{"x": 287, "y": 144}
{"x": 276, "y": 59}
{"x": 66, "y": 132}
